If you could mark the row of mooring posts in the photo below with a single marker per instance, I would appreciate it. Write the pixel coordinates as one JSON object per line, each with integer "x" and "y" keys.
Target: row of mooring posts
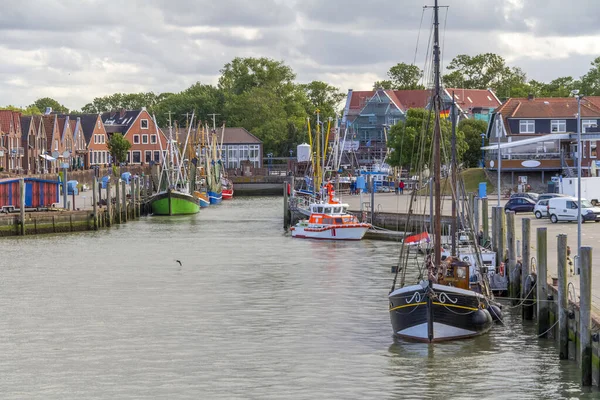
{"x": 529, "y": 287}
{"x": 122, "y": 209}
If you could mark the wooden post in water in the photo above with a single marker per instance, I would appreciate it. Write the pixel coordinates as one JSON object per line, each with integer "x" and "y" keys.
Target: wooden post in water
{"x": 476, "y": 215}
{"x": 585, "y": 316}
{"x": 95, "y": 202}
{"x": 512, "y": 256}
{"x": 485, "y": 222}
{"x": 22, "y": 204}
{"x": 118, "y": 202}
{"x": 494, "y": 236}
{"x": 372, "y": 199}
{"x": 124, "y": 199}
{"x": 563, "y": 301}
{"x": 137, "y": 197}
{"x": 502, "y": 237}
{"x": 286, "y": 210}
{"x": 526, "y": 290}
{"x": 109, "y": 220}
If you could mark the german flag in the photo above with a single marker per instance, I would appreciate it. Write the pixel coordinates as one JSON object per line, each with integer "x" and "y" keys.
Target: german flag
{"x": 445, "y": 113}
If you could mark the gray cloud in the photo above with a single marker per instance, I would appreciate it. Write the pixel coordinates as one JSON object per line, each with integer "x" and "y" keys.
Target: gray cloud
{"x": 75, "y": 50}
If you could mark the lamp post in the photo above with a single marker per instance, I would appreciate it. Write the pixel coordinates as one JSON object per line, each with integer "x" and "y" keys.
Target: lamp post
{"x": 482, "y": 151}
{"x": 579, "y": 155}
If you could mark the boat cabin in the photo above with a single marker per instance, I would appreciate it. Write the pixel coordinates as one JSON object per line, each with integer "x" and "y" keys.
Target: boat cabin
{"x": 454, "y": 273}
{"x": 330, "y": 209}
{"x": 331, "y": 214}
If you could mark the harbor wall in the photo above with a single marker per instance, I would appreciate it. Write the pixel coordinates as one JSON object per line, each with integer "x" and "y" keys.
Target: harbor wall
{"x": 258, "y": 185}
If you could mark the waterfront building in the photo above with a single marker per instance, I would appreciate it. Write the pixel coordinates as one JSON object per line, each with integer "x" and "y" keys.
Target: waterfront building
{"x": 33, "y": 142}
{"x": 368, "y": 115}
{"x": 538, "y": 136}
{"x": 137, "y": 127}
{"x": 80, "y": 148}
{"x": 55, "y": 147}
{"x": 11, "y": 148}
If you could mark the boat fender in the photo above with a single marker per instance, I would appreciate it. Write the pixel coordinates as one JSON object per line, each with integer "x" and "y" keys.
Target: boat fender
{"x": 481, "y": 318}
{"x": 495, "y": 312}
{"x": 288, "y": 189}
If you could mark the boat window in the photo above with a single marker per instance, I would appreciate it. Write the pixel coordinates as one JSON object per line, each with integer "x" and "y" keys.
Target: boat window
{"x": 328, "y": 210}
{"x": 327, "y": 221}
{"x": 338, "y": 221}
{"x": 461, "y": 272}
{"x": 344, "y": 209}
{"x": 336, "y": 210}
{"x": 320, "y": 210}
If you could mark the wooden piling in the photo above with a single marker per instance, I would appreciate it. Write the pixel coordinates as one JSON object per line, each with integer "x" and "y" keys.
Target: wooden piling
{"x": 286, "y": 211}
{"x": 476, "y": 215}
{"x": 124, "y": 199}
{"x": 542, "y": 308}
{"x": 485, "y": 222}
{"x": 109, "y": 220}
{"x": 95, "y": 203}
{"x": 563, "y": 327}
{"x": 494, "y": 235}
{"x": 585, "y": 316}
{"x": 118, "y": 202}
{"x": 512, "y": 256}
{"x": 22, "y": 204}
{"x": 526, "y": 290}
{"x": 501, "y": 234}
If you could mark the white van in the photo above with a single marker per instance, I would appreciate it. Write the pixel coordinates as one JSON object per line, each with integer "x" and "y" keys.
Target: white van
{"x": 565, "y": 209}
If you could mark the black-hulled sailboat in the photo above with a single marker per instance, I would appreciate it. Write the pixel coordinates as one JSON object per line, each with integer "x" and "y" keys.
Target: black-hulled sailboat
{"x": 446, "y": 303}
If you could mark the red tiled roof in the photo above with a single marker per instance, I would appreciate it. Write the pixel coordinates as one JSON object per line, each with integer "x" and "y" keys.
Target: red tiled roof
{"x": 553, "y": 107}
{"x": 7, "y": 120}
{"x": 48, "y": 121}
{"x": 413, "y": 98}
{"x": 474, "y": 98}
{"x": 61, "y": 127}
{"x": 360, "y": 98}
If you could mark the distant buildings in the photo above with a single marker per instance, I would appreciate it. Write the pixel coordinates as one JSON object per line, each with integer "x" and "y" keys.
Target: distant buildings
{"x": 368, "y": 115}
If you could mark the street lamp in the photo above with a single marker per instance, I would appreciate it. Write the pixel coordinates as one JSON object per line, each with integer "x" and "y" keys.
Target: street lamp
{"x": 482, "y": 151}
{"x": 578, "y": 96}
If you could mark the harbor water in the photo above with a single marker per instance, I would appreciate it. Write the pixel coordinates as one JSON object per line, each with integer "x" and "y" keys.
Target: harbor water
{"x": 249, "y": 314}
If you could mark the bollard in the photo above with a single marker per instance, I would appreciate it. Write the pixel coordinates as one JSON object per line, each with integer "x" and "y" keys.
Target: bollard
{"x": 512, "y": 256}
{"x": 563, "y": 301}
{"x": 95, "y": 202}
{"x": 585, "y": 316}
{"x": 527, "y": 309}
{"x": 543, "y": 316}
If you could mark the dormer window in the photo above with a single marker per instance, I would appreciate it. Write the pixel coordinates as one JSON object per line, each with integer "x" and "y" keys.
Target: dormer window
{"x": 144, "y": 123}
{"x": 558, "y": 126}
{"x": 527, "y": 126}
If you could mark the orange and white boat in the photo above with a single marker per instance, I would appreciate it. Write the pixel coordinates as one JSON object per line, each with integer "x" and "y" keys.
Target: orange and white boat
{"x": 330, "y": 221}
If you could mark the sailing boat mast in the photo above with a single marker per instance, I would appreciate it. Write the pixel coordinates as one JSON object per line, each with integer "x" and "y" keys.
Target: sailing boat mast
{"x": 437, "y": 225}
{"x": 454, "y": 177}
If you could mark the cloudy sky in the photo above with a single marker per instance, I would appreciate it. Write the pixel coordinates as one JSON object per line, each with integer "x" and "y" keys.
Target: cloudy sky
{"x": 75, "y": 50}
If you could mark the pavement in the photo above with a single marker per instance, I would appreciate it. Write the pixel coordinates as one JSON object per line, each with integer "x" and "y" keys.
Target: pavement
{"x": 590, "y": 231}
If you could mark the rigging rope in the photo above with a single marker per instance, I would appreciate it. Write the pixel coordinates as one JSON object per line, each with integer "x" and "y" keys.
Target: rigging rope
{"x": 418, "y": 36}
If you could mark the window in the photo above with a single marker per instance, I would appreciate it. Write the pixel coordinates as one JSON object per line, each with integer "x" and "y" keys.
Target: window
{"x": 144, "y": 123}
{"x": 558, "y": 125}
{"x": 56, "y": 145}
{"x": 99, "y": 124}
{"x": 128, "y": 156}
{"x": 136, "y": 139}
{"x": 372, "y": 119}
{"x": 147, "y": 156}
{"x": 572, "y": 205}
{"x": 137, "y": 157}
{"x": 153, "y": 139}
{"x": 527, "y": 126}
{"x": 156, "y": 156}
{"x": 145, "y": 139}
{"x": 103, "y": 138}
{"x": 593, "y": 153}
{"x": 588, "y": 123}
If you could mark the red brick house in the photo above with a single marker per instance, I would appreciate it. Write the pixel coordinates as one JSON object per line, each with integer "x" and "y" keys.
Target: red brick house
{"x": 137, "y": 127}
{"x": 55, "y": 147}
{"x": 10, "y": 126}
{"x": 80, "y": 151}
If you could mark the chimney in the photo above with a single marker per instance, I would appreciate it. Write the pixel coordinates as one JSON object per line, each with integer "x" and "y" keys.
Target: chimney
{"x": 530, "y": 96}
{"x": 48, "y": 111}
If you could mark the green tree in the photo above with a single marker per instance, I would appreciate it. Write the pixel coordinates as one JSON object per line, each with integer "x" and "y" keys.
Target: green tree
{"x": 127, "y": 101}
{"x": 199, "y": 98}
{"x": 45, "y": 102}
{"x": 401, "y": 76}
{"x": 384, "y": 84}
{"x": 30, "y": 110}
{"x": 243, "y": 74}
{"x": 324, "y": 97}
{"x": 590, "y": 82}
{"x": 118, "y": 147}
{"x": 472, "y": 130}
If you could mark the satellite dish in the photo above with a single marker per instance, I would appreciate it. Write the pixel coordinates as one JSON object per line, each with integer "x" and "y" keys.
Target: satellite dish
{"x": 66, "y": 154}
{"x": 55, "y": 154}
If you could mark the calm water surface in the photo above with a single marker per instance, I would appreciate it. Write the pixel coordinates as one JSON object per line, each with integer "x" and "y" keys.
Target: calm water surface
{"x": 251, "y": 314}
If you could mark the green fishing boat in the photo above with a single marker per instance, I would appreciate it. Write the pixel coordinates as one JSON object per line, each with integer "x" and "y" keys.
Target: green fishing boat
{"x": 175, "y": 195}
{"x": 174, "y": 202}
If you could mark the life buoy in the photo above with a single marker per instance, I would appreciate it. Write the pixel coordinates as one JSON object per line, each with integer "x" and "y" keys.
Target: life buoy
{"x": 501, "y": 269}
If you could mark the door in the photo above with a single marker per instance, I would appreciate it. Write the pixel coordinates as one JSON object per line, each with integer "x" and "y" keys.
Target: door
{"x": 570, "y": 210}
{"x": 28, "y": 194}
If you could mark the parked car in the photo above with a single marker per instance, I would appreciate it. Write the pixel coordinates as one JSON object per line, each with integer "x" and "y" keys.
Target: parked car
{"x": 547, "y": 196}
{"x": 541, "y": 208}
{"x": 528, "y": 195}
{"x": 519, "y": 204}
{"x": 565, "y": 209}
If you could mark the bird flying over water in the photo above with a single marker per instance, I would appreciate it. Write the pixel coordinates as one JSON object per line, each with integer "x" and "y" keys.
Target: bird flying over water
{"x": 178, "y": 262}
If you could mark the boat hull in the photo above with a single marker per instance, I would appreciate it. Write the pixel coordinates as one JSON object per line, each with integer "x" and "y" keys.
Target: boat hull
{"x": 227, "y": 194}
{"x": 214, "y": 197}
{"x": 331, "y": 232}
{"x": 174, "y": 203}
{"x": 452, "y": 313}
